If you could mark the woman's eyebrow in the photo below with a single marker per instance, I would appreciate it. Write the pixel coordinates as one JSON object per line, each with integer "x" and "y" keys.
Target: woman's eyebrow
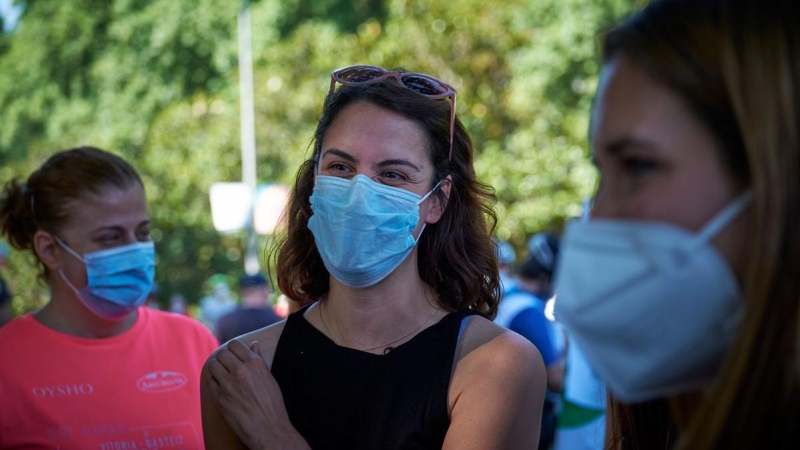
{"x": 402, "y": 162}
{"x": 107, "y": 228}
{"x": 617, "y": 146}
{"x": 118, "y": 228}
{"x": 341, "y": 154}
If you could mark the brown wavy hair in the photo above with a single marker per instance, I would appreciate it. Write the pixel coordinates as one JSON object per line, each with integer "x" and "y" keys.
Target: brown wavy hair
{"x": 42, "y": 202}
{"x": 737, "y": 65}
{"x": 456, "y": 256}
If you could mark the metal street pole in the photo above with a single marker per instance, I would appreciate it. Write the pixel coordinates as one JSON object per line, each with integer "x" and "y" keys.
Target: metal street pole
{"x": 248, "y": 133}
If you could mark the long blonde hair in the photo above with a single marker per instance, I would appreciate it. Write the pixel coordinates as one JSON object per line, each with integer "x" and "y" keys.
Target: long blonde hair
{"x": 736, "y": 64}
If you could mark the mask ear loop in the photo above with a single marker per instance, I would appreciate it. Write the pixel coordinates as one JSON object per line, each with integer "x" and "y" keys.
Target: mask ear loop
{"x": 61, "y": 272}
{"x": 721, "y": 220}
{"x": 66, "y": 247}
{"x": 424, "y": 197}
{"x": 70, "y": 285}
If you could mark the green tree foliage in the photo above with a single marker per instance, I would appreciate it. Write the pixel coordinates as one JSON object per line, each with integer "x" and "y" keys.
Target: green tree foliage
{"x": 157, "y": 82}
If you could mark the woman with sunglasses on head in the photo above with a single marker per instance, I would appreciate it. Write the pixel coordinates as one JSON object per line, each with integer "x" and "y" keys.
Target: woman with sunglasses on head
{"x": 92, "y": 368}
{"x": 389, "y": 232}
{"x": 683, "y": 287}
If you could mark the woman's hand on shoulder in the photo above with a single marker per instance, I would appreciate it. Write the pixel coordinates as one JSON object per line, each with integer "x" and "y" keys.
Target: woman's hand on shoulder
{"x": 242, "y": 403}
{"x": 266, "y": 337}
{"x": 497, "y": 391}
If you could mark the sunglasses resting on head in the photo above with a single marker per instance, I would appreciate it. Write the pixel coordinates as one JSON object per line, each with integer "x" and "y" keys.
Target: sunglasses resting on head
{"x": 426, "y": 85}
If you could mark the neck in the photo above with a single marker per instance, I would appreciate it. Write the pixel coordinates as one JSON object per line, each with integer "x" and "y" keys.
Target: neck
{"x": 373, "y": 317}
{"x": 66, "y": 314}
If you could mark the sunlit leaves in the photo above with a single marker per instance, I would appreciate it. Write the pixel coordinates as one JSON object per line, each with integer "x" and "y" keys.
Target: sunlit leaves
{"x": 157, "y": 81}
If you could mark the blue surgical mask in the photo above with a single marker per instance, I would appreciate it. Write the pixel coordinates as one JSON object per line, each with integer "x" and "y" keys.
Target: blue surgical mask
{"x": 118, "y": 279}
{"x": 363, "y": 229}
{"x": 654, "y": 307}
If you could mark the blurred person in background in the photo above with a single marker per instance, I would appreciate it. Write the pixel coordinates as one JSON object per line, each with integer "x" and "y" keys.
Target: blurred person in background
{"x": 580, "y": 421}
{"x": 218, "y": 302}
{"x": 92, "y": 368}
{"x": 506, "y": 257}
{"x": 254, "y": 312}
{"x": 522, "y": 310}
{"x": 178, "y": 304}
{"x": 682, "y": 288}
{"x": 389, "y": 233}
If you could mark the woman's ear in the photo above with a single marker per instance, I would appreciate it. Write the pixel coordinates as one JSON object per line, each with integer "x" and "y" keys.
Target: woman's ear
{"x": 439, "y": 202}
{"x": 47, "y": 249}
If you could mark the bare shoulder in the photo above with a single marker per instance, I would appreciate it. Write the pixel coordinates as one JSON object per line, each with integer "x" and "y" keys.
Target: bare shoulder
{"x": 490, "y": 348}
{"x": 266, "y": 337}
{"x": 496, "y": 391}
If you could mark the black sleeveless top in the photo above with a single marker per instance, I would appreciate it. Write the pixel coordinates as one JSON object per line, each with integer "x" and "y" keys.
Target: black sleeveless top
{"x": 341, "y": 398}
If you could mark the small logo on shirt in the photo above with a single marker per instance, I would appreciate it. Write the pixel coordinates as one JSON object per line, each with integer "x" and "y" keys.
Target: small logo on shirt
{"x": 162, "y": 381}
{"x": 64, "y": 390}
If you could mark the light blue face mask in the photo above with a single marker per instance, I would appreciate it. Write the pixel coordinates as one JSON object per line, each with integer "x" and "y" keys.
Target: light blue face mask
{"x": 118, "y": 279}
{"x": 363, "y": 229}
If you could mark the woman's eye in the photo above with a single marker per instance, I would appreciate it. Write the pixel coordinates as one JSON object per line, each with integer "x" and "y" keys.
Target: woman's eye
{"x": 109, "y": 239}
{"x": 338, "y": 167}
{"x": 639, "y": 166}
{"x": 394, "y": 176}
